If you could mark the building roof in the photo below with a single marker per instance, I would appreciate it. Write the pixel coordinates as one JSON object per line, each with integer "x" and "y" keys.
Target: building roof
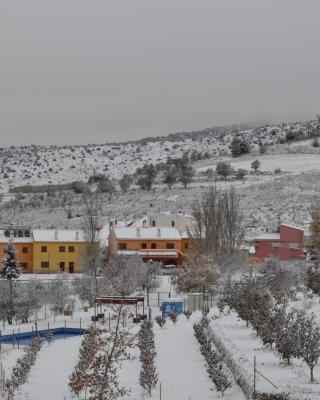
{"x": 292, "y": 226}
{"x": 104, "y": 236}
{"x": 148, "y": 253}
{"x": 147, "y": 233}
{"x": 265, "y": 236}
{"x": 5, "y": 239}
{"x": 58, "y": 235}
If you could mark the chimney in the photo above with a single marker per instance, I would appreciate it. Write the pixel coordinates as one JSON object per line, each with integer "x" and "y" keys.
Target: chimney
{"x": 138, "y": 232}
{"x": 158, "y": 232}
{"x": 55, "y": 235}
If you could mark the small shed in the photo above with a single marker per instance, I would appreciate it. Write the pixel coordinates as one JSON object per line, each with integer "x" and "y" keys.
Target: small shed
{"x": 195, "y": 301}
{"x": 171, "y": 305}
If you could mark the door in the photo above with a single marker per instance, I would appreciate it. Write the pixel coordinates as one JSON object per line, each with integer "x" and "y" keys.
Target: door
{"x": 71, "y": 267}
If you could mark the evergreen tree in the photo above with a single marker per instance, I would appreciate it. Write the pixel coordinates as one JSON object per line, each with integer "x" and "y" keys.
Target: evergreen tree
{"x": 255, "y": 165}
{"x": 239, "y": 146}
{"x": 160, "y": 320}
{"x": 235, "y": 147}
{"x": 186, "y": 172}
{"x": 170, "y": 175}
{"x": 10, "y": 271}
{"x": 223, "y": 169}
{"x": 146, "y": 176}
{"x": 148, "y": 376}
{"x": 125, "y": 182}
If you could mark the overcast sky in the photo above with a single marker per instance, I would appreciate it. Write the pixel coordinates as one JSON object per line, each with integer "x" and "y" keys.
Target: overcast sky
{"x": 81, "y": 71}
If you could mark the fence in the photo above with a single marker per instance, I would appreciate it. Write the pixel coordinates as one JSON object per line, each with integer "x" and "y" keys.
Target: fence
{"x": 2, "y": 378}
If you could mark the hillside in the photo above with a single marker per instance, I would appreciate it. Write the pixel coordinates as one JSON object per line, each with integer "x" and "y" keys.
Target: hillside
{"x": 57, "y": 165}
{"x": 283, "y": 188}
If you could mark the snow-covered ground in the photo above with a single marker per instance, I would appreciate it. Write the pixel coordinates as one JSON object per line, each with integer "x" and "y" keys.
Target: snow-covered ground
{"x": 180, "y": 365}
{"x": 243, "y": 344}
{"x": 53, "y": 164}
{"x": 49, "y": 376}
{"x": 293, "y": 163}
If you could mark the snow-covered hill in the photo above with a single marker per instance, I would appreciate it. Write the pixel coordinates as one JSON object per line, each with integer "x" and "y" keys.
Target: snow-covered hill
{"x": 52, "y": 164}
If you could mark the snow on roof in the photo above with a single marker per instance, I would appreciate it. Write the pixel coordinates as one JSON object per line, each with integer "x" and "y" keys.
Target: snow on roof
{"x": 5, "y": 239}
{"x": 104, "y": 236}
{"x": 184, "y": 234}
{"x": 147, "y": 233}
{"x": 266, "y": 236}
{"x": 58, "y": 235}
{"x": 292, "y": 226}
{"x": 140, "y": 222}
{"x": 148, "y": 253}
{"x": 172, "y": 300}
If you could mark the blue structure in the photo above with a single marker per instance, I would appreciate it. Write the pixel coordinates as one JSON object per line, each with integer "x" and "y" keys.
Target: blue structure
{"x": 26, "y": 337}
{"x": 171, "y": 305}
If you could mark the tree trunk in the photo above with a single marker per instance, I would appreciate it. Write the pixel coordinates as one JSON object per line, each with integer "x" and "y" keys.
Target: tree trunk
{"x": 11, "y": 303}
{"x": 311, "y": 375}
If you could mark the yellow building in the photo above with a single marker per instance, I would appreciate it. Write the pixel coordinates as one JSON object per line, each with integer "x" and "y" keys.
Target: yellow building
{"x": 57, "y": 250}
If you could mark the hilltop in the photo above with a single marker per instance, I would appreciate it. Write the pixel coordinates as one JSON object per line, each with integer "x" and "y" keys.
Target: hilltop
{"x": 38, "y": 165}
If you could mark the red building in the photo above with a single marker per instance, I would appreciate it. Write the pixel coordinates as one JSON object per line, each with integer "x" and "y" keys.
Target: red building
{"x": 286, "y": 245}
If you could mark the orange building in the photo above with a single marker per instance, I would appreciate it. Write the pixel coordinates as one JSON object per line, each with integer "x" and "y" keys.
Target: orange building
{"x": 23, "y": 243}
{"x": 166, "y": 245}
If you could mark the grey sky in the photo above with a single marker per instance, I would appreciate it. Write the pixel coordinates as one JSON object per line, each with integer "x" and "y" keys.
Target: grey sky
{"x": 80, "y": 71}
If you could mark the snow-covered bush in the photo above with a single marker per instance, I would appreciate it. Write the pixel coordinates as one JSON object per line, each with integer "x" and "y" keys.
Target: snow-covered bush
{"x": 148, "y": 375}
{"x": 21, "y": 370}
{"x": 160, "y": 320}
{"x": 212, "y": 357}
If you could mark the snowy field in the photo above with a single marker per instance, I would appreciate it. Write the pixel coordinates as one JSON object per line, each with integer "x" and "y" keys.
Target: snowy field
{"x": 243, "y": 344}
{"x": 293, "y": 163}
{"x": 180, "y": 366}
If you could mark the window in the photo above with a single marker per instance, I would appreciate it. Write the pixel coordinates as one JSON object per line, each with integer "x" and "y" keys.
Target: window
{"x": 172, "y": 223}
{"x": 153, "y": 245}
{"x": 71, "y": 249}
{"x": 186, "y": 245}
{"x": 62, "y": 266}
{"x": 20, "y": 233}
{"x": 170, "y": 245}
{"x": 44, "y": 264}
{"x": 122, "y": 246}
{"x": 44, "y": 249}
{"x": 25, "y": 250}
{"x": 153, "y": 223}
{"x": 143, "y": 245}
{"x": 62, "y": 249}
{"x": 276, "y": 245}
{"x": 24, "y": 265}
{"x": 294, "y": 245}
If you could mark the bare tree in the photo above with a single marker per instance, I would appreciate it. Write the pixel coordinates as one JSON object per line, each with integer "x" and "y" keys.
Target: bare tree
{"x": 218, "y": 230}
{"x": 92, "y": 256}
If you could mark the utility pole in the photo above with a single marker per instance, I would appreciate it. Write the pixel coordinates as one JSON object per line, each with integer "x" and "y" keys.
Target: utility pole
{"x": 254, "y": 376}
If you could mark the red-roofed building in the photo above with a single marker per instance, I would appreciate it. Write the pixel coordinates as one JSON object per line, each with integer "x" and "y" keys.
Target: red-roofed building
{"x": 286, "y": 245}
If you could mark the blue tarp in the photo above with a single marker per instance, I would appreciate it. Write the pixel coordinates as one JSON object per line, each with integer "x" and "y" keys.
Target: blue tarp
{"x": 169, "y": 307}
{"x": 57, "y": 333}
